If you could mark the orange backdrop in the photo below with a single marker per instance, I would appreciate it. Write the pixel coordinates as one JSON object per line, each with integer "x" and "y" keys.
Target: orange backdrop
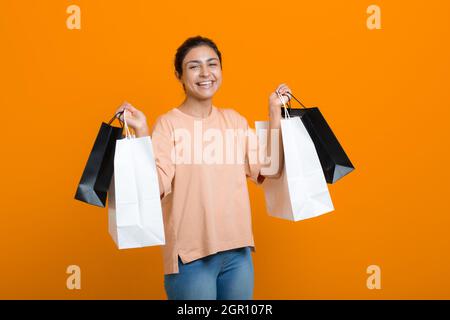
{"x": 384, "y": 93}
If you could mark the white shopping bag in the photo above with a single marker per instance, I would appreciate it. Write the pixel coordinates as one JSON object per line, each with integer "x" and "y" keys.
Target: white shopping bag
{"x": 134, "y": 205}
{"x": 301, "y": 192}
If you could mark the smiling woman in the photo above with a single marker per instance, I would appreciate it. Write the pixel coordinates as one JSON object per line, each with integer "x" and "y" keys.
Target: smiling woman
{"x": 206, "y": 206}
{"x": 198, "y": 66}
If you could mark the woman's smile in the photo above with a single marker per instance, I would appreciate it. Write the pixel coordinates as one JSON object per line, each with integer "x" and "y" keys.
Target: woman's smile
{"x": 206, "y": 84}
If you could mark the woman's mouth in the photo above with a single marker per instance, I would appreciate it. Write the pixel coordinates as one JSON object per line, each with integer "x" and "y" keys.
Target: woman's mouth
{"x": 205, "y": 84}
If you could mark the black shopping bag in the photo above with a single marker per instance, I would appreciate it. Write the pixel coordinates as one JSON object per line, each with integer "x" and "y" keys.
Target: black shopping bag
{"x": 334, "y": 160}
{"x": 97, "y": 174}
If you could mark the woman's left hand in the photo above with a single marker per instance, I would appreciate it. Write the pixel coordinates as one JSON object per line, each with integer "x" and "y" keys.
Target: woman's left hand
{"x": 275, "y": 103}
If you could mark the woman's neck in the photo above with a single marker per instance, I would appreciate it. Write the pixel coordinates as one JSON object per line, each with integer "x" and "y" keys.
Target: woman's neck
{"x": 196, "y": 108}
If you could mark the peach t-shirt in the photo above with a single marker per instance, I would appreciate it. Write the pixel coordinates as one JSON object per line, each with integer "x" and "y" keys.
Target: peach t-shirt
{"x": 206, "y": 206}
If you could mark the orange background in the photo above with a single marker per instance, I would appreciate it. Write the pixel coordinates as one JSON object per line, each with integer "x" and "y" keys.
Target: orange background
{"x": 384, "y": 92}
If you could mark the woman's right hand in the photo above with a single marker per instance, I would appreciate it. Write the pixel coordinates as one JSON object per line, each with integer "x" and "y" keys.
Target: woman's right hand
{"x": 135, "y": 119}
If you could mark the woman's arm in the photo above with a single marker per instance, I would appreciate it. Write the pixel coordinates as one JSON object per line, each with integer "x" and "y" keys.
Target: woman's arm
{"x": 276, "y": 155}
{"x": 275, "y": 147}
{"x": 161, "y": 145}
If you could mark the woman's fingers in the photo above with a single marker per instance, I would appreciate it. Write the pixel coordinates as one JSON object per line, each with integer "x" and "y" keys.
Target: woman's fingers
{"x": 134, "y": 117}
{"x": 125, "y": 106}
{"x": 280, "y": 86}
{"x": 128, "y": 114}
{"x": 283, "y": 88}
{"x": 129, "y": 107}
{"x": 284, "y": 91}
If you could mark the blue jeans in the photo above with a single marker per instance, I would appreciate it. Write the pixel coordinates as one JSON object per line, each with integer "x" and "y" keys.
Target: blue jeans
{"x": 225, "y": 275}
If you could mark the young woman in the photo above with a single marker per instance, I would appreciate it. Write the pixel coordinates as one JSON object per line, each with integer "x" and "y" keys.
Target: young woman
{"x": 206, "y": 209}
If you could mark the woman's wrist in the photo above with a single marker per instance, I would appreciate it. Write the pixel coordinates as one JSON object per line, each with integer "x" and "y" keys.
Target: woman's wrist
{"x": 142, "y": 131}
{"x": 274, "y": 117}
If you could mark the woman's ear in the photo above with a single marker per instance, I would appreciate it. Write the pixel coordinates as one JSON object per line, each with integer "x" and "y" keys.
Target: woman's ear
{"x": 177, "y": 75}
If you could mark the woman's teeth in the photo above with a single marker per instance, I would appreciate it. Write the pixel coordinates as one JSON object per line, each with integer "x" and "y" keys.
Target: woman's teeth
{"x": 205, "y": 84}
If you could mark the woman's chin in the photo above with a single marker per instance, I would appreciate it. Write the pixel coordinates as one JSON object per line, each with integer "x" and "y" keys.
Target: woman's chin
{"x": 207, "y": 95}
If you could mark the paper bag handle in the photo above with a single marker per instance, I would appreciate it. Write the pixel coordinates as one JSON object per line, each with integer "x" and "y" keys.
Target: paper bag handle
{"x": 116, "y": 116}
{"x": 128, "y": 134}
{"x": 289, "y": 103}
{"x": 280, "y": 96}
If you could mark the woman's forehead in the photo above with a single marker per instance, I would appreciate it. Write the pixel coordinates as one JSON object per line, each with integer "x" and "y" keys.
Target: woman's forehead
{"x": 200, "y": 54}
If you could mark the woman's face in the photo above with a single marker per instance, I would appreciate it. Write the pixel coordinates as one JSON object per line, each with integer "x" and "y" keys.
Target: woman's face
{"x": 202, "y": 73}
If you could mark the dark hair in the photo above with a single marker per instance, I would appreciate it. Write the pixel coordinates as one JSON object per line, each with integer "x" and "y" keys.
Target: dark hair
{"x": 189, "y": 44}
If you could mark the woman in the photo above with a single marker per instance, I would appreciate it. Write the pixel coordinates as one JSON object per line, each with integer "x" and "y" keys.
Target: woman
{"x": 206, "y": 208}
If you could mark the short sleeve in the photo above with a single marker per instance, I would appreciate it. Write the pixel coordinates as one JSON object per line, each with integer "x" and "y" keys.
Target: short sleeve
{"x": 162, "y": 141}
{"x": 258, "y": 164}
{"x": 252, "y": 163}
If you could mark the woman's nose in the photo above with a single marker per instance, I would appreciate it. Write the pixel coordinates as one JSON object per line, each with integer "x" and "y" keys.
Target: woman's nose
{"x": 204, "y": 72}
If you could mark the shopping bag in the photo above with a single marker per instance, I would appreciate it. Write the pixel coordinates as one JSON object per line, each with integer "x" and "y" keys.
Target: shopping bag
{"x": 134, "y": 206}
{"x": 301, "y": 192}
{"x": 97, "y": 174}
{"x": 333, "y": 159}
